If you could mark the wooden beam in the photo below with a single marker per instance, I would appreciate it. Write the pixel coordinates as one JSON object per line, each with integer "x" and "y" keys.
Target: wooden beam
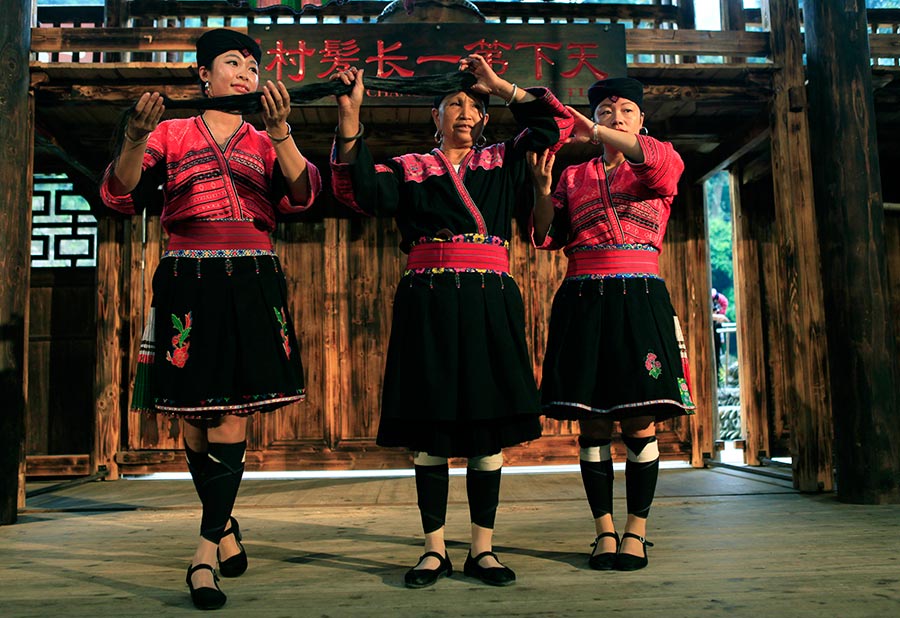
{"x": 144, "y": 39}
{"x": 800, "y": 303}
{"x": 16, "y": 127}
{"x": 749, "y": 224}
{"x": 735, "y": 147}
{"x": 697, "y": 42}
{"x": 852, "y": 237}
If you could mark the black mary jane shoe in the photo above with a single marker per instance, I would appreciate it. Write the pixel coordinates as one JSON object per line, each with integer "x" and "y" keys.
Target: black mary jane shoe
{"x": 605, "y": 561}
{"x": 422, "y": 578}
{"x": 236, "y": 565}
{"x": 205, "y": 598}
{"x": 495, "y": 576}
{"x": 630, "y": 562}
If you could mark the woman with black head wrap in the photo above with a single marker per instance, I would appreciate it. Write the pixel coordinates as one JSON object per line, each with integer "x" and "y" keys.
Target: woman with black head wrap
{"x": 458, "y": 379}
{"x": 614, "y": 348}
{"x": 223, "y": 346}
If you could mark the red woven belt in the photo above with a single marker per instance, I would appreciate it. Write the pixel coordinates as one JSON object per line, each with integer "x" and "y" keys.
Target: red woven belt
{"x": 213, "y": 235}
{"x": 613, "y": 262}
{"x": 459, "y": 256}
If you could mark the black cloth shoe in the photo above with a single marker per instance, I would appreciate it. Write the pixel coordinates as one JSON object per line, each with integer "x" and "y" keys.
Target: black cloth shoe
{"x": 630, "y": 562}
{"x": 495, "y": 576}
{"x": 422, "y": 578}
{"x": 205, "y": 598}
{"x": 607, "y": 560}
{"x": 237, "y": 564}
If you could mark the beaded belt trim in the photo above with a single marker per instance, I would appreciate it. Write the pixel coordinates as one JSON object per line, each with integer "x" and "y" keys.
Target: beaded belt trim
{"x": 613, "y": 262}
{"x": 218, "y": 236}
{"x": 457, "y": 257}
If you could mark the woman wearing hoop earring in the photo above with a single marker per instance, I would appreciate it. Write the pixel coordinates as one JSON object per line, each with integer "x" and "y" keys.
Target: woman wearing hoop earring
{"x": 224, "y": 346}
{"x": 615, "y": 351}
{"x": 458, "y": 379}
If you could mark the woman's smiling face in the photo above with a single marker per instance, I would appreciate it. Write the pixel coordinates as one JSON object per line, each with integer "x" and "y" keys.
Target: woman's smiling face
{"x": 231, "y": 73}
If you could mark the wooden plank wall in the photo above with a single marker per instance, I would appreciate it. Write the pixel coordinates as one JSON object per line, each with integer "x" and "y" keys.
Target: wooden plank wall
{"x": 61, "y": 352}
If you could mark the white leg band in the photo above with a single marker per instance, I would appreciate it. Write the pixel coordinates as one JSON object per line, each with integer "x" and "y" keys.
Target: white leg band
{"x": 421, "y": 458}
{"x": 486, "y": 463}
{"x": 595, "y": 454}
{"x": 648, "y": 454}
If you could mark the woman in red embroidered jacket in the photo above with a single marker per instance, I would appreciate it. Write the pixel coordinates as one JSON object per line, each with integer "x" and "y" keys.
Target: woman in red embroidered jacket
{"x": 223, "y": 346}
{"x": 614, "y": 348}
{"x": 458, "y": 378}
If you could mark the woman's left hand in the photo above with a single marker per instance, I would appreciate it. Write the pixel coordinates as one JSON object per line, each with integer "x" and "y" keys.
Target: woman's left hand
{"x": 488, "y": 82}
{"x": 276, "y": 103}
{"x": 582, "y": 131}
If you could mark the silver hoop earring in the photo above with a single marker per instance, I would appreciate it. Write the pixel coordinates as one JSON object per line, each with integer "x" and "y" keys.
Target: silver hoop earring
{"x": 438, "y": 136}
{"x": 480, "y": 141}
{"x": 644, "y": 131}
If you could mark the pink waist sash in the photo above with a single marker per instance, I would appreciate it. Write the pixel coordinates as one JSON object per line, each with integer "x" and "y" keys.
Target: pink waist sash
{"x": 613, "y": 262}
{"x": 215, "y": 235}
{"x": 458, "y": 256}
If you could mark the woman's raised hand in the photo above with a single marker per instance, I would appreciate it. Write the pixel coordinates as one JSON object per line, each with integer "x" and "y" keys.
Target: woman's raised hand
{"x": 147, "y": 113}
{"x": 488, "y": 81}
{"x": 541, "y": 166}
{"x": 276, "y": 104}
{"x": 353, "y": 100}
{"x": 582, "y": 131}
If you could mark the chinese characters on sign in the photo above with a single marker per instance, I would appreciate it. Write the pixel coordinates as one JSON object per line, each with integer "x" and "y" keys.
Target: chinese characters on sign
{"x": 529, "y": 54}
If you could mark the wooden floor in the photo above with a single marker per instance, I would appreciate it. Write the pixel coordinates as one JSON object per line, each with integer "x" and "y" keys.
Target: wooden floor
{"x": 728, "y": 544}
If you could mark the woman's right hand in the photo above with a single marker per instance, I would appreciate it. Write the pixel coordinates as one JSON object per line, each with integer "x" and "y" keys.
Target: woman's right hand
{"x": 147, "y": 113}
{"x": 541, "y": 166}
{"x": 352, "y": 101}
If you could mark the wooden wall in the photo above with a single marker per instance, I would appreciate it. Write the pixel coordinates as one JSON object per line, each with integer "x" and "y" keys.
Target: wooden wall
{"x": 61, "y": 352}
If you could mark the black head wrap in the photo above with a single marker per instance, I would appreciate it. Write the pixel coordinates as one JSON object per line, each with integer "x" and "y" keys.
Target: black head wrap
{"x": 216, "y": 42}
{"x": 616, "y": 87}
{"x": 478, "y": 96}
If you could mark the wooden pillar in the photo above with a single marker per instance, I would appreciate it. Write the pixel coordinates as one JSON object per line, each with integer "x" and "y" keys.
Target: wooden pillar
{"x": 732, "y": 16}
{"x": 685, "y": 265}
{"x": 748, "y": 297}
{"x": 108, "y": 383}
{"x": 805, "y": 357}
{"x": 16, "y": 156}
{"x": 851, "y": 232}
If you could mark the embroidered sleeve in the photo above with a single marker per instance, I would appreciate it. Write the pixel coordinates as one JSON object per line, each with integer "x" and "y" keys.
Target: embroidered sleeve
{"x": 546, "y": 121}
{"x": 286, "y": 204}
{"x": 662, "y": 166}
{"x": 365, "y": 187}
{"x": 151, "y": 174}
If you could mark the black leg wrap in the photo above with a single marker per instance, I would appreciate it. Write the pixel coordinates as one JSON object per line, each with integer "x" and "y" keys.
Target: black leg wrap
{"x": 597, "y": 477}
{"x": 196, "y": 466}
{"x": 432, "y": 487}
{"x": 483, "y": 488}
{"x": 640, "y": 477}
{"x": 219, "y": 488}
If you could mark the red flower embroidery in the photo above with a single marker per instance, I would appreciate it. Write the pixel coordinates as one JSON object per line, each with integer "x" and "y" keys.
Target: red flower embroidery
{"x": 179, "y": 356}
{"x": 653, "y": 366}
{"x": 282, "y": 321}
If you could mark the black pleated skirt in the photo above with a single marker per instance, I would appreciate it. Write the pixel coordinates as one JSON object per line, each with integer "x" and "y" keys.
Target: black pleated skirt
{"x": 459, "y": 381}
{"x": 220, "y": 339}
{"x": 614, "y": 349}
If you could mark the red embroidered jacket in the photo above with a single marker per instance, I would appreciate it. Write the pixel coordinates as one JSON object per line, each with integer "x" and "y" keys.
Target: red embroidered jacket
{"x": 632, "y": 207}
{"x": 201, "y": 181}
